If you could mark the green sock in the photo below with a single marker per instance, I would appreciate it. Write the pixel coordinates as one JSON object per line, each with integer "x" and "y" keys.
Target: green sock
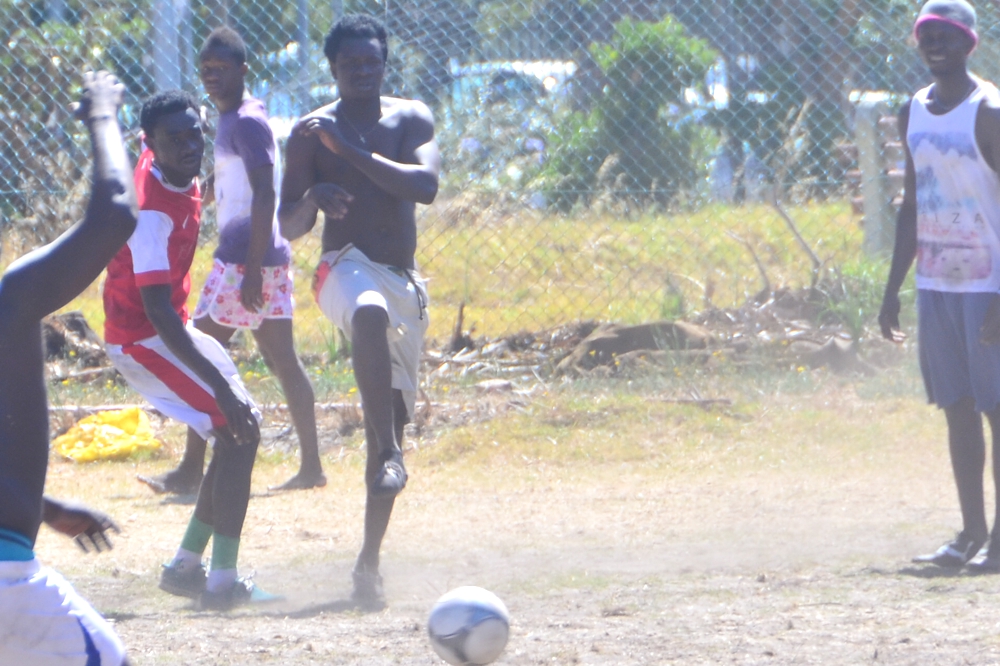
{"x": 197, "y": 536}
{"x": 224, "y": 552}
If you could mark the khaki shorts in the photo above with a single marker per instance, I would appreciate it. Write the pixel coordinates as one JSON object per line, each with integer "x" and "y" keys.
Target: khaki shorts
{"x": 346, "y": 280}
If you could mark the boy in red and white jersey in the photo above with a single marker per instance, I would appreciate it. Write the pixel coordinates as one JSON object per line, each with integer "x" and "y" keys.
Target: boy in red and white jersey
{"x": 184, "y": 373}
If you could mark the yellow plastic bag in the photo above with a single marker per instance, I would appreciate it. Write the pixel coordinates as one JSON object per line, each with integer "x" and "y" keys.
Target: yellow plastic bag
{"x": 110, "y": 435}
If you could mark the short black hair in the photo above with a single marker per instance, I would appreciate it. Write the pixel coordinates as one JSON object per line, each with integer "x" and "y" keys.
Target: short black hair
{"x": 162, "y": 104}
{"x": 355, "y": 26}
{"x": 228, "y": 40}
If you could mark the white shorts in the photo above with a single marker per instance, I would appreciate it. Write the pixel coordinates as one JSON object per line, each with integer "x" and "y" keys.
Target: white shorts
{"x": 172, "y": 387}
{"x": 220, "y": 298}
{"x": 44, "y": 622}
{"x": 347, "y": 279}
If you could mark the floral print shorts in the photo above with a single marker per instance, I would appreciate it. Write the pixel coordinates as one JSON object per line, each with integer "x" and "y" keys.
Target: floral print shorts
{"x": 220, "y": 299}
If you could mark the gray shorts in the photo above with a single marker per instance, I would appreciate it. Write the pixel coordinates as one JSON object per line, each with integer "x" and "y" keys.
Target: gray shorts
{"x": 952, "y": 360}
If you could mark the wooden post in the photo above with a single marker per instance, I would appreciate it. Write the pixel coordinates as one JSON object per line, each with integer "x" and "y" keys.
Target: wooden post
{"x": 878, "y": 222}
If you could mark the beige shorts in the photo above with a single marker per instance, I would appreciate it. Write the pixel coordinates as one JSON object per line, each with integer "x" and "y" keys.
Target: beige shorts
{"x": 346, "y": 279}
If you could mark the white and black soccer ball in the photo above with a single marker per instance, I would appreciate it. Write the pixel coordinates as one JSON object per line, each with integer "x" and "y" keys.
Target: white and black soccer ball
{"x": 469, "y": 626}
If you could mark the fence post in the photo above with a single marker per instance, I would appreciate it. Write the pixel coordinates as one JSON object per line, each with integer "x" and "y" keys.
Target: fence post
{"x": 874, "y": 188}
{"x": 166, "y": 47}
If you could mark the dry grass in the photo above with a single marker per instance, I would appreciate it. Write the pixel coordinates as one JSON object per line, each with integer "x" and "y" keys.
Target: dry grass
{"x": 520, "y": 270}
{"x": 619, "y": 528}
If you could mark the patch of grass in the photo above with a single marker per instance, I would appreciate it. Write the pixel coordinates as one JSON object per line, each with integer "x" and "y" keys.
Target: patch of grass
{"x": 626, "y": 270}
{"x": 527, "y": 270}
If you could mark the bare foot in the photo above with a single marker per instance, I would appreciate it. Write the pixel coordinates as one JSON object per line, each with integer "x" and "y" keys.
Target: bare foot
{"x": 175, "y": 483}
{"x": 303, "y": 481}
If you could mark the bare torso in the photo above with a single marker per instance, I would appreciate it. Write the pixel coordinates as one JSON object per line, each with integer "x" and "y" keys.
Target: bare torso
{"x": 377, "y": 223}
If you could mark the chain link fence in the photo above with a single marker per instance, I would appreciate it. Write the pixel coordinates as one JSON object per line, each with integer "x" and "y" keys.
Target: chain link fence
{"x": 603, "y": 159}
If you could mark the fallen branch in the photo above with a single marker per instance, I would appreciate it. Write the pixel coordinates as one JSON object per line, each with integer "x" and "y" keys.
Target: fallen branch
{"x": 84, "y": 375}
{"x": 813, "y": 258}
{"x": 271, "y": 407}
{"x": 701, "y": 402}
{"x": 753, "y": 253}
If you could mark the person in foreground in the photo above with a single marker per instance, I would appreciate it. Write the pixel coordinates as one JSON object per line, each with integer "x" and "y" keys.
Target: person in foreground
{"x": 365, "y": 161}
{"x": 42, "y": 619}
{"x": 250, "y": 286}
{"x": 184, "y": 373}
{"x": 950, "y": 223}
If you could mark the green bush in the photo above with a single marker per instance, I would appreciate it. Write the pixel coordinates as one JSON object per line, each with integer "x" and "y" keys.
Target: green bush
{"x": 640, "y": 139}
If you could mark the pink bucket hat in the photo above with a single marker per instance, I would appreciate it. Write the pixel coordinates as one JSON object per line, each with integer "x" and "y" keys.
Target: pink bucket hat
{"x": 958, "y": 13}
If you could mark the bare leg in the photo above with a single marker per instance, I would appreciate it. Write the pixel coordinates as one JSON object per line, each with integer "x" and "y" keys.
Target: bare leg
{"x": 968, "y": 459}
{"x": 378, "y": 509}
{"x": 276, "y": 341}
{"x": 186, "y": 478}
{"x": 368, "y": 592}
{"x": 373, "y": 372}
{"x": 994, "y": 419}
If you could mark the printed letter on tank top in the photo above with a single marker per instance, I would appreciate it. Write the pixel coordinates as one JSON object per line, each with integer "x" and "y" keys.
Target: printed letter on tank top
{"x": 958, "y": 197}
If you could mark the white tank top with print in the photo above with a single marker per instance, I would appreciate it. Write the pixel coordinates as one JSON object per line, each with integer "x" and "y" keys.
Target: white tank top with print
{"x": 958, "y": 197}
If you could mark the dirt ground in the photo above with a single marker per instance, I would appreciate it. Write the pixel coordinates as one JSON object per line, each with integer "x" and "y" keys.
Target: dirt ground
{"x": 779, "y": 534}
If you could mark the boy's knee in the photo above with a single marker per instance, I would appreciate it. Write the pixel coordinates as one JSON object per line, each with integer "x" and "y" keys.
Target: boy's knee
{"x": 368, "y": 319}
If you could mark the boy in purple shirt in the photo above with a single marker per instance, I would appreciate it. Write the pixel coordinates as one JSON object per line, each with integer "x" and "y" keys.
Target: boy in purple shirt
{"x": 250, "y": 286}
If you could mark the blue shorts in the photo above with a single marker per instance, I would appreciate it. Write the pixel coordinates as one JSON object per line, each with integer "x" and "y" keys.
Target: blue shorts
{"x": 952, "y": 360}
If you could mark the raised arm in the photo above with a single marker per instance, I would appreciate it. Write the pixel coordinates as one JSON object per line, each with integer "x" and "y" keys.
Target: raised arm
{"x": 170, "y": 328}
{"x": 905, "y": 248}
{"x": 50, "y": 277}
{"x": 414, "y": 177}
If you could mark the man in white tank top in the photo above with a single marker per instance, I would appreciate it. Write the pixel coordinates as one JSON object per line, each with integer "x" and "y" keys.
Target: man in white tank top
{"x": 950, "y": 223}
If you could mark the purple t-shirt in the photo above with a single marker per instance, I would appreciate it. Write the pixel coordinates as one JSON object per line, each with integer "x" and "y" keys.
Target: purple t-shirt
{"x": 243, "y": 142}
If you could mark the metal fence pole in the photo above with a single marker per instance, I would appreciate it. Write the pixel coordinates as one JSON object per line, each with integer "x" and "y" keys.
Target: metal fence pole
{"x": 166, "y": 47}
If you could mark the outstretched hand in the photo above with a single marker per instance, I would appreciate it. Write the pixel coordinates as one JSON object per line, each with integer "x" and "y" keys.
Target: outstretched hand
{"x": 239, "y": 415}
{"x": 88, "y": 527}
{"x": 101, "y": 97}
{"x": 888, "y": 319}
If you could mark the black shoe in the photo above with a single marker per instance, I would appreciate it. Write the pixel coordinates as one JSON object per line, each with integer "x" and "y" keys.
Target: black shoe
{"x": 391, "y": 479}
{"x": 188, "y": 582}
{"x": 368, "y": 593}
{"x": 953, "y": 555}
{"x": 239, "y": 594}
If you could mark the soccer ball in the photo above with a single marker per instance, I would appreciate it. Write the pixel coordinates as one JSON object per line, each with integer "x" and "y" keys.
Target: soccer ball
{"x": 469, "y": 626}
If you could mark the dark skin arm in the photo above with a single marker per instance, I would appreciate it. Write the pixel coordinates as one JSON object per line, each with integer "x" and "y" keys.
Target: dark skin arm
{"x": 413, "y": 178}
{"x": 43, "y": 281}
{"x": 48, "y": 278}
{"x": 988, "y": 139}
{"x": 261, "y": 218}
{"x": 170, "y": 328}
{"x": 88, "y": 527}
{"x": 905, "y": 248}
{"x": 301, "y": 196}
